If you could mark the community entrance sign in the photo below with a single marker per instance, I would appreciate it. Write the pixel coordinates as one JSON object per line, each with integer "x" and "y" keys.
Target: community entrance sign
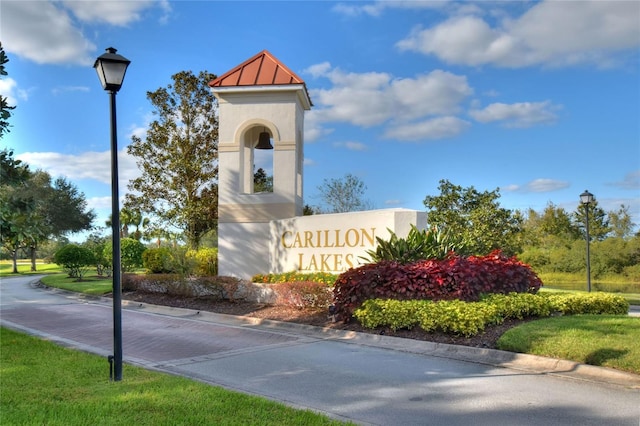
{"x": 262, "y": 104}
{"x": 334, "y": 242}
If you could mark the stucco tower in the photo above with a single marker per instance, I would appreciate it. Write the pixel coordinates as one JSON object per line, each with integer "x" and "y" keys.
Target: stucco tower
{"x": 260, "y": 95}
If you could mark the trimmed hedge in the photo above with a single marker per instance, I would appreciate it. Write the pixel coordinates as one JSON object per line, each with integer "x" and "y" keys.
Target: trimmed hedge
{"x": 470, "y": 318}
{"x": 456, "y": 277}
{"x": 294, "y": 276}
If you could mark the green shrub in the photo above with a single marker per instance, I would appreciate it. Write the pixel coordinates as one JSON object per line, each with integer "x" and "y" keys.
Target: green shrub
{"x": 75, "y": 260}
{"x": 97, "y": 247}
{"x": 205, "y": 261}
{"x": 287, "y": 277}
{"x": 181, "y": 263}
{"x": 157, "y": 260}
{"x": 130, "y": 254}
{"x": 588, "y": 303}
{"x": 418, "y": 245}
{"x": 462, "y": 318}
{"x": 448, "y": 316}
{"x": 519, "y": 305}
{"x": 394, "y": 314}
{"x": 163, "y": 260}
{"x": 470, "y": 318}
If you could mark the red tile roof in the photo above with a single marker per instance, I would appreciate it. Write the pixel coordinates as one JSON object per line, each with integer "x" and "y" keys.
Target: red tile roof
{"x": 260, "y": 70}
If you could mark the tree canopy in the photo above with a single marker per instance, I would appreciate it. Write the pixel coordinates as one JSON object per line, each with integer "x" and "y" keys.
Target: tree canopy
{"x": 5, "y": 108}
{"x": 598, "y": 222}
{"x": 344, "y": 195}
{"x": 474, "y": 216}
{"x": 33, "y": 208}
{"x": 179, "y": 158}
{"x": 621, "y": 223}
{"x": 553, "y": 227}
{"x": 262, "y": 182}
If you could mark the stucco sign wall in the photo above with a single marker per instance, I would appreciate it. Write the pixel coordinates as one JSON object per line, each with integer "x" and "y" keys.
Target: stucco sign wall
{"x": 334, "y": 242}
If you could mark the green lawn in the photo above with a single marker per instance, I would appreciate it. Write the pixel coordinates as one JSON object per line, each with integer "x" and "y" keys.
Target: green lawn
{"x": 43, "y": 383}
{"x": 91, "y": 284}
{"x": 24, "y": 268}
{"x": 604, "y": 340}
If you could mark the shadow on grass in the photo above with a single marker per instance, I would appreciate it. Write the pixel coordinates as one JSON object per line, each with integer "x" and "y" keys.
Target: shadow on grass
{"x": 601, "y": 356}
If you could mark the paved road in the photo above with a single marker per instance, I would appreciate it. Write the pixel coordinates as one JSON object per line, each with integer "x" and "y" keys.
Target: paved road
{"x": 364, "y": 378}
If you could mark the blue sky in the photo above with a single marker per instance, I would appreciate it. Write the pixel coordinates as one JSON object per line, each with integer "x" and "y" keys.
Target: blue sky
{"x": 539, "y": 99}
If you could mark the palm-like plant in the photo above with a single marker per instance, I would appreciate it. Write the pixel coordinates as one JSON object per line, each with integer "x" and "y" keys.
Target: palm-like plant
{"x": 424, "y": 244}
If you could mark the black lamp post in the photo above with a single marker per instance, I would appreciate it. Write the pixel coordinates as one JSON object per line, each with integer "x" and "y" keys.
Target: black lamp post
{"x": 111, "y": 68}
{"x": 586, "y": 198}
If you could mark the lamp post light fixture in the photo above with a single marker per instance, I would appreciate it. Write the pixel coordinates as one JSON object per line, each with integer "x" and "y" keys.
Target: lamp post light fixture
{"x": 111, "y": 68}
{"x": 587, "y": 198}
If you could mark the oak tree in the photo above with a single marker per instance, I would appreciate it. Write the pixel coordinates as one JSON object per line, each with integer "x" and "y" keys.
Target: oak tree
{"x": 475, "y": 217}
{"x": 33, "y": 208}
{"x": 178, "y": 158}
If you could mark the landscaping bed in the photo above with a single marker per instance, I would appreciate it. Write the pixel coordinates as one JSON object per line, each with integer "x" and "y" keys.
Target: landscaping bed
{"x": 316, "y": 317}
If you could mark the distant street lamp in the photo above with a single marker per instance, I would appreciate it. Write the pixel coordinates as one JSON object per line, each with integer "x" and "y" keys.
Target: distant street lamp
{"x": 111, "y": 68}
{"x": 586, "y": 198}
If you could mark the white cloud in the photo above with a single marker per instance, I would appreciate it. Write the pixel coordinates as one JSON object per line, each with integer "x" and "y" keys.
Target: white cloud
{"x": 351, "y": 146}
{"x": 8, "y": 87}
{"x": 99, "y": 202}
{"x": 377, "y": 7}
{"x": 549, "y": 33}
{"x": 66, "y": 89}
{"x": 313, "y": 129}
{"x": 523, "y": 114}
{"x": 10, "y": 90}
{"x": 44, "y": 31}
{"x": 374, "y": 99}
{"x": 629, "y": 181}
{"x": 435, "y": 128}
{"x": 87, "y": 165}
{"x": 138, "y": 131}
{"x": 119, "y": 13}
{"x": 538, "y": 185}
{"x": 467, "y": 39}
{"x": 318, "y": 70}
{"x": 510, "y": 188}
{"x": 354, "y": 98}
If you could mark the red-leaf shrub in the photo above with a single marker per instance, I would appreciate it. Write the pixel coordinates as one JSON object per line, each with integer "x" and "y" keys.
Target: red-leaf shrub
{"x": 456, "y": 277}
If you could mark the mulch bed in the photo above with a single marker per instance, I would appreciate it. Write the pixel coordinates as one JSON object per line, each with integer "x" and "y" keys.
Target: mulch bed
{"x": 317, "y": 318}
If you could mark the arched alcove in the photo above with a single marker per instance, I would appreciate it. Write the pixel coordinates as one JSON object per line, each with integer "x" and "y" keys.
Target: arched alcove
{"x": 253, "y": 159}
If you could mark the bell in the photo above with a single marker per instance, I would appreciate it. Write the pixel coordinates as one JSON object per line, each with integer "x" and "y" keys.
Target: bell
{"x": 264, "y": 141}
